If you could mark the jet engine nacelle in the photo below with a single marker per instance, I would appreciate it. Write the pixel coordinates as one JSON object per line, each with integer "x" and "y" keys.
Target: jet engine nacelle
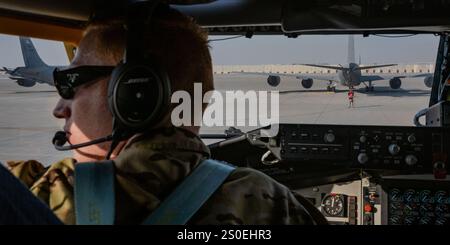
{"x": 395, "y": 83}
{"x": 273, "y": 81}
{"x": 428, "y": 81}
{"x": 307, "y": 83}
{"x": 26, "y": 83}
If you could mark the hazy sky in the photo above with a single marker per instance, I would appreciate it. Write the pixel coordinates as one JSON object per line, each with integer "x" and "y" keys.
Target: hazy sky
{"x": 324, "y": 49}
{"x": 51, "y": 52}
{"x": 270, "y": 50}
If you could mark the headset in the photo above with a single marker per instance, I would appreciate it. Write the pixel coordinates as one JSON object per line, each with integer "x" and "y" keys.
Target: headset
{"x": 139, "y": 88}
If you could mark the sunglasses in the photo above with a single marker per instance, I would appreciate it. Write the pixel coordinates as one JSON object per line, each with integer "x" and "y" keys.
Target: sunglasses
{"x": 67, "y": 80}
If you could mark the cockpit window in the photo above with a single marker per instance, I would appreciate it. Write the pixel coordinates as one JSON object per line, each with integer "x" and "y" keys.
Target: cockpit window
{"x": 389, "y": 76}
{"x": 26, "y": 104}
{"x": 262, "y": 80}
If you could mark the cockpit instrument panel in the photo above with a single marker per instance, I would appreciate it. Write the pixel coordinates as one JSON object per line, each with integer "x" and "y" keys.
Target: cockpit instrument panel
{"x": 413, "y": 149}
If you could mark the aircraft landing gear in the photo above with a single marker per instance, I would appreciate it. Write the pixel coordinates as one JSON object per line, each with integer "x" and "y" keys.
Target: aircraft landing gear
{"x": 331, "y": 87}
{"x": 369, "y": 88}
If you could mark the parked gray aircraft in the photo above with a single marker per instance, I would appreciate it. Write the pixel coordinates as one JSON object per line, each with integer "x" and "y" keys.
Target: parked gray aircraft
{"x": 34, "y": 71}
{"x": 349, "y": 76}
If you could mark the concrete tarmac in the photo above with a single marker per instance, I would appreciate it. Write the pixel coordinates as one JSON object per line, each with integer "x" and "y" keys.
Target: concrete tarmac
{"x": 384, "y": 106}
{"x": 27, "y": 125}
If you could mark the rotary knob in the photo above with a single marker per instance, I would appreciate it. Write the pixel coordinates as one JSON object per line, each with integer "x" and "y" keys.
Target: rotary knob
{"x": 411, "y": 160}
{"x": 363, "y": 158}
{"x": 411, "y": 138}
{"x": 362, "y": 139}
{"x": 394, "y": 149}
{"x": 376, "y": 138}
{"x": 329, "y": 138}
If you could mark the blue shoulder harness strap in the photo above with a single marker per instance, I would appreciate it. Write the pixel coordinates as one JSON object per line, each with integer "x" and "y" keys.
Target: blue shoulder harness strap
{"x": 94, "y": 193}
{"x": 191, "y": 194}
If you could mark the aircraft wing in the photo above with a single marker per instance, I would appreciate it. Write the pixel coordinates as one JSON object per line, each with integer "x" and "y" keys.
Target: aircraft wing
{"x": 6, "y": 70}
{"x": 391, "y": 76}
{"x": 262, "y": 73}
{"x": 324, "y": 77}
{"x": 422, "y": 75}
{"x": 326, "y": 66}
{"x": 344, "y": 68}
{"x": 374, "y": 66}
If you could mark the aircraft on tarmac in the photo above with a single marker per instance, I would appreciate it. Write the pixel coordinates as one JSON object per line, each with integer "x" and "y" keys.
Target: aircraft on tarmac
{"x": 349, "y": 76}
{"x": 34, "y": 71}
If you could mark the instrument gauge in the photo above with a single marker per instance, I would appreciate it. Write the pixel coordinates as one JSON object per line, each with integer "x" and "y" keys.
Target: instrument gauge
{"x": 333, "y": 205}
{"x": 395, "y": 206}
{"x": 409, "y": 195}
{"x": 425, "y": 196}
{"x": 395, "y": 195}
{"x": 440, "y": 197}
{"x": 426, "y": 209}
{"x": 441, "y": 209}
{"x": 440, "y": 221}
{"x": 410, "y": 220}
{"x": 395, "y": 220}
{"x": 425, "y": 221}
{"x": 410, "y": 208}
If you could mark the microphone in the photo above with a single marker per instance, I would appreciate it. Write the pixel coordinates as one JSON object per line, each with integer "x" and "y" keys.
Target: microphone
{"x": 60, "y": 139}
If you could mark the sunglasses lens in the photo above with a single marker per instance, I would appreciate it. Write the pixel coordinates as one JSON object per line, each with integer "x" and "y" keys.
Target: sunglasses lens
{"x": 65, "y": 92}
{"x": 66, "y": 80}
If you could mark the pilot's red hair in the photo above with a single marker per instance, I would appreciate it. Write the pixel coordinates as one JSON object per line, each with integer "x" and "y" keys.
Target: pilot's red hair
{"x": 179, "y": 44}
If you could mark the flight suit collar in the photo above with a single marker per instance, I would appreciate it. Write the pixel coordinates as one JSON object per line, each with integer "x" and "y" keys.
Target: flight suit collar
{"x": 169, "y": 138}
{"x": 150, "y": 167}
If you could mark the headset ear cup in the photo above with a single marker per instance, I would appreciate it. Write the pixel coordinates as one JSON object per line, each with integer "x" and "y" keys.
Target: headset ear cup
{"x": 138, "y": 95}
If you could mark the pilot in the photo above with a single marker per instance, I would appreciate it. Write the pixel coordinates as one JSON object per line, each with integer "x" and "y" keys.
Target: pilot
{"x": 149, "y": 165}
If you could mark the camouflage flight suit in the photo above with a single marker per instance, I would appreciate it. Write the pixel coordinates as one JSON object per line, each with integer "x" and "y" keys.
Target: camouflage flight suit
{"x": 148, "y": 170}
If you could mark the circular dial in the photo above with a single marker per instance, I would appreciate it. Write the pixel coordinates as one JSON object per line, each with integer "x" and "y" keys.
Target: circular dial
{"x": 409, "y": 195}
{"x": 411, "y": 138}
{"x": 329, "y": 137}
{"x": 426, "y": 209}
{"x": 410, "y": 220}
{"x": 441, "y": 209}
{"x": 363, "y": 158}
{"x": 395, "y": 206}
{"x": 395, "y": 195}
{"x": 333, "y": 205}
{"x": 363, "y": 139}
{"x": 441, "y": 221}
{"x": 395, "y": 220}
{"x": 440, "y": 197}
{"x": 394, "y": 149}
{"x": 425, "y": 221}
{"x": 411, "y": 160}
{"x": 409, "y": 208}
{"x": 425, "y": 196}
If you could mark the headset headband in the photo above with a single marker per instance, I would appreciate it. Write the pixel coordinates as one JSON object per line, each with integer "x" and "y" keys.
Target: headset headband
{"x": 138, "y": 18}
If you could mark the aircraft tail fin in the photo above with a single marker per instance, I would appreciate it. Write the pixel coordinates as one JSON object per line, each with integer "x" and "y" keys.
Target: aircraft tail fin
{"x": 30, "y": 56}
{"x": 351, "y": 49}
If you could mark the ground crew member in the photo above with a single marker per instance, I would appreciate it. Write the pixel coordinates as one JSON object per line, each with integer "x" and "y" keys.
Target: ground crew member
{"x": 351, "y": 96}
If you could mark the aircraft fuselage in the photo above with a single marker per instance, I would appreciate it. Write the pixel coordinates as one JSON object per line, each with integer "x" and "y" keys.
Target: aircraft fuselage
{"x": 34, "y": 74}
{"x": 350, "y": 77}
